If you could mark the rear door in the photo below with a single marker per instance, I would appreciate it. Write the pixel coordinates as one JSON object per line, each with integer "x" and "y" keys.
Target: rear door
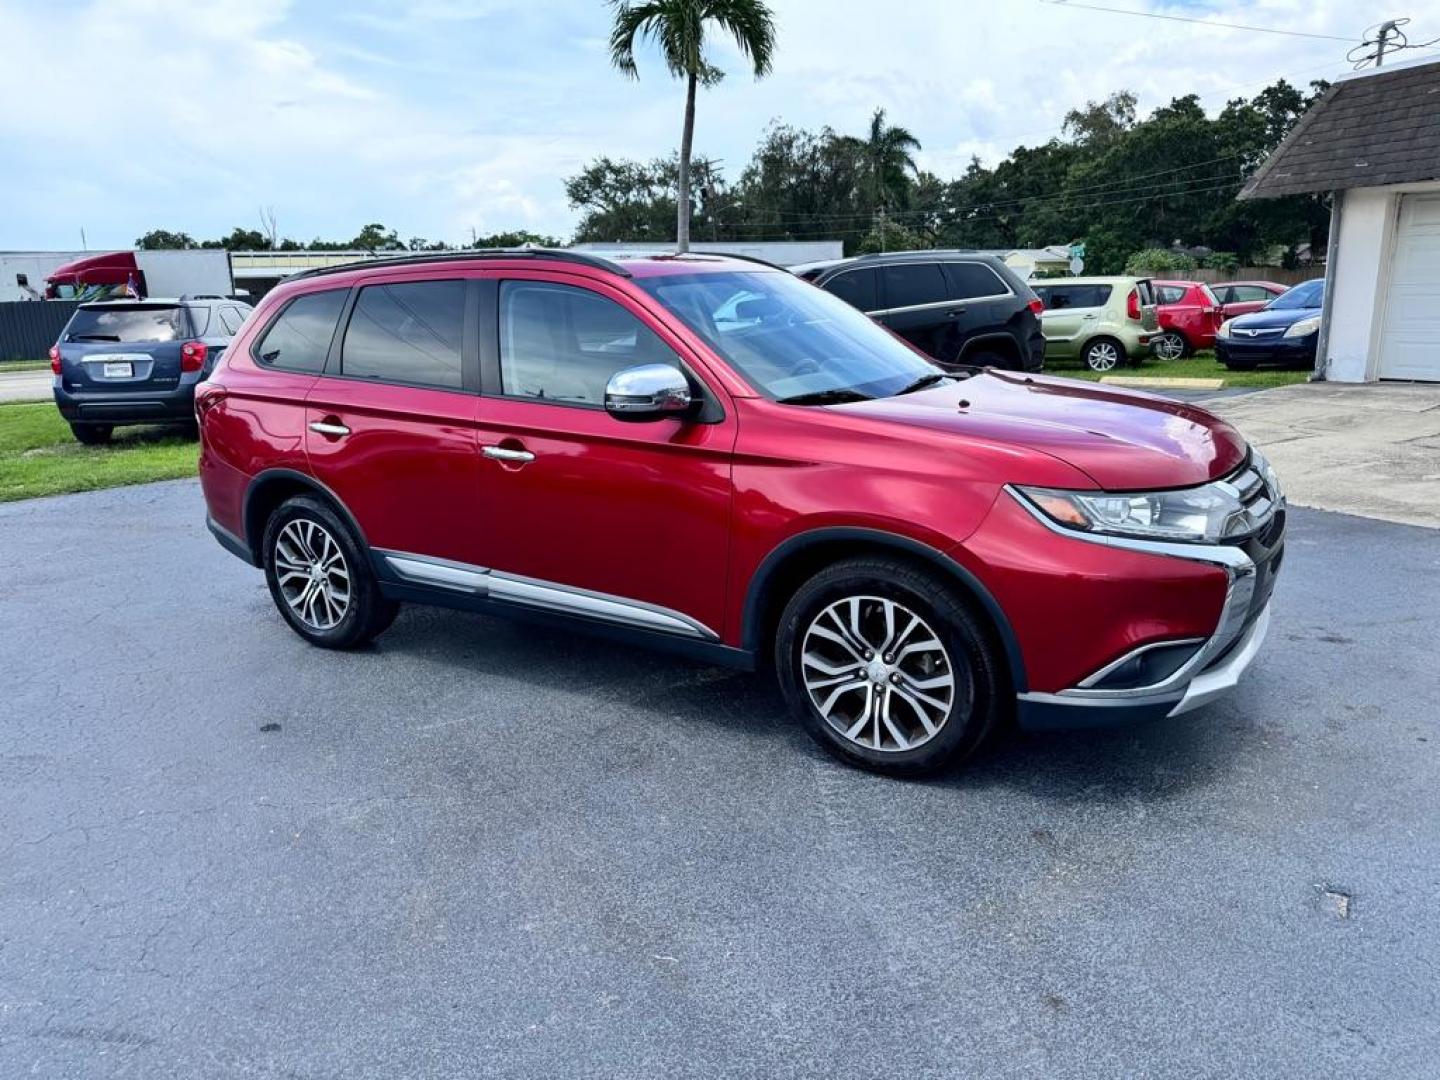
{"x": 919, "y": 307}
{"x": 390, "y": 424}
{"x": 121, "y": 348}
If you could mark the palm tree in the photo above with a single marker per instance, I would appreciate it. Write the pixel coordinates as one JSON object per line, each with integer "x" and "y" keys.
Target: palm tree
{"x": 678, "y": 26}
{"x": 888, "y": 161}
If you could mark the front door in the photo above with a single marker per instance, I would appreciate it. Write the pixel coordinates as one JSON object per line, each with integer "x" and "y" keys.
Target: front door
{"x": 920, "y": 308}
{"x": 390, "y": 425}
{"x": 1071, "y": 314}
{"x": 624, "y": 522}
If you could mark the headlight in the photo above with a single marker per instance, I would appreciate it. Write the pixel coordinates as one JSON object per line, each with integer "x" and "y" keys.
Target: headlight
{"x": 1224, "y": 330}
{"x": 1304, "y": 326}
{"x": 1203, "y": 514}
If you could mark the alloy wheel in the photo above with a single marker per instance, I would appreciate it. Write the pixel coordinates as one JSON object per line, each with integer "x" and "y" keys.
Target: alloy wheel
{"x": 313, "y": 576}
{"x": 1102, "y": 356}
{"x": 878, "y": 673}
{"x": 1170, "y": 347}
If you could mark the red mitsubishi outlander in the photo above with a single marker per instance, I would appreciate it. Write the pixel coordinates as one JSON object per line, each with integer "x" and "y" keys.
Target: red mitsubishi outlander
{"x": 709, "y": 454}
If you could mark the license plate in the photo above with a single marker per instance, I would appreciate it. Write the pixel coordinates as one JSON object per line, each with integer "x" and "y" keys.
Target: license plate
{"x": 124, "y": 370}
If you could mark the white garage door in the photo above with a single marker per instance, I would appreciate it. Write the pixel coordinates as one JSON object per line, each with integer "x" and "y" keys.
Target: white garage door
{"x": 1410, "y": 339}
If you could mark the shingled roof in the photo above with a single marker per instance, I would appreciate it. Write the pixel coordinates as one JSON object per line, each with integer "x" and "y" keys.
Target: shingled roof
{"x": 1366, "y": 131}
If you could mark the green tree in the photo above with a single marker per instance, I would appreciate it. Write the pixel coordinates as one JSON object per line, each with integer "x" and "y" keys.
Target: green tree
{"x": 163, "y": 239}
{"x": 515, "y": 238}
{"x": 375, "y": 237}
{"x": 1159, "y": 261}
{"x": 679, "y": 27}
{"x": 889, "y": 163}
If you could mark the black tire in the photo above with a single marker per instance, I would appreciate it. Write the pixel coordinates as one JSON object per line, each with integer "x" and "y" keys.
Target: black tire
{"x": 92, "y": 434}
{"x": 973, "y": 705}
{"x": 1103, "y": 355}
{"x": 366, "y": 612}
{"x": 1181, "y": 347}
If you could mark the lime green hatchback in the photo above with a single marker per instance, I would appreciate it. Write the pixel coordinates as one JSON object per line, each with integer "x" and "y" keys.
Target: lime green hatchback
{"x": 1100, "y": 321}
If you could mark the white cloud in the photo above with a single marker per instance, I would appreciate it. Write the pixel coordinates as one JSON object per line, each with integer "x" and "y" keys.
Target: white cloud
{"x": 442, "y": 114}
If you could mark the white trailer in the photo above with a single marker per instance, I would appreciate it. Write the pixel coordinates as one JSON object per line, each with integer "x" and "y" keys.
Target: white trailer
{"x": 193, "y": 272}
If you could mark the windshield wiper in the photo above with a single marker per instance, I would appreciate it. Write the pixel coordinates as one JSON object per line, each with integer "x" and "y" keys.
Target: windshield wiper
{"x": 838, "y": 396}
{"x": 924, "y": 381}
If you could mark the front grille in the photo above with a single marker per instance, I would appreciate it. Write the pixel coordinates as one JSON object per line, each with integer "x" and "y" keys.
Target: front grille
{"x": 1261, "y": 506}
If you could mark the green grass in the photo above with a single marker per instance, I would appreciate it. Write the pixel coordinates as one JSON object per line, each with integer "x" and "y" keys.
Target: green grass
{"x": 39, "y": 456}
{"x": 24, "y": 365}
{"x": 1202, "y": 365}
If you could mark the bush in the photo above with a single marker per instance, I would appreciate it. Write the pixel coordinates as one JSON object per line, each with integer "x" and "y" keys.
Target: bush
{"x": 1222, "y": 260}
{"x": 1159, "y": 261}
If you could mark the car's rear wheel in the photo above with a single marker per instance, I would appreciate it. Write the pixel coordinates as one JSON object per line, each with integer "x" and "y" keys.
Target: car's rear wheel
{"x": 887, "y": 667}
{"x": 1103, "y": 354}
{"x": 319, "y": 578}
{"x": 92, "y": 434}
{"x": 1171, "y": 346}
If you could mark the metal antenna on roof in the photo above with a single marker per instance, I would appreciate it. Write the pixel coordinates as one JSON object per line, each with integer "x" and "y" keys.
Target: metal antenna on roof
{"x": 1389, "y": 38}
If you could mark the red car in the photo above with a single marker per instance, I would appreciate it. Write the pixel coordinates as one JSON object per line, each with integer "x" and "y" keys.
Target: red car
{"x": 1244, "y": 297}
{"x": 708, "y": 454}
{"x": 1189, "y": 316}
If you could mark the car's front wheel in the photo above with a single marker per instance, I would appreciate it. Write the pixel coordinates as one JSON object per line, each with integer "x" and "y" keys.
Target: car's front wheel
{"x": 319, "y": 578}
{"x": 887, "y": 667}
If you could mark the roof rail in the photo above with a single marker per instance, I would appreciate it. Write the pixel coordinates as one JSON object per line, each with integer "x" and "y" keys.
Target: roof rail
{"x": 419, "y": 258}
{"x": 742, "y": 258}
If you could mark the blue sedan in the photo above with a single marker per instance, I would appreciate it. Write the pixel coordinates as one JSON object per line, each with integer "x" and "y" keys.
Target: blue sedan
{"x": 1284, "y": 332}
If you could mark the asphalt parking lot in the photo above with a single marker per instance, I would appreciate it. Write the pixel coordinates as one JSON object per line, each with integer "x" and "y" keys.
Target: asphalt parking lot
{"x": 485, "y": 849}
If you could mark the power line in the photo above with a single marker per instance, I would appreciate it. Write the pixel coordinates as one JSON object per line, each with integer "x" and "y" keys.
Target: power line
{"x": 1200, "y": 22}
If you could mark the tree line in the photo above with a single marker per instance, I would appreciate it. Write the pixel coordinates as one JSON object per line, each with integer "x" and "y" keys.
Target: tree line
{"x": 1114, "y": 181}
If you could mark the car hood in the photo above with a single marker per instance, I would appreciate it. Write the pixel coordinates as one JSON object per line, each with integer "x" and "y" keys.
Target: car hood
{"x": 1260, "y": 320}
{"x": 1124, "y": 441}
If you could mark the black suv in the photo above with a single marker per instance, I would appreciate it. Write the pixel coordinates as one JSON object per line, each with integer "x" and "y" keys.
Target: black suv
{"x": 137, "y": 361}
{"x": 959, "y": 307}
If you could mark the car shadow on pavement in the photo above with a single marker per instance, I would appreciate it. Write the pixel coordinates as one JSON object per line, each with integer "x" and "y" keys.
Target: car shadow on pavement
{"x": 1148, "y": 762}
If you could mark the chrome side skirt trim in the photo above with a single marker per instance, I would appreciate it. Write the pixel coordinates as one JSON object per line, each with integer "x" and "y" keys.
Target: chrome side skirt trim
{"x": 545, "y": 595}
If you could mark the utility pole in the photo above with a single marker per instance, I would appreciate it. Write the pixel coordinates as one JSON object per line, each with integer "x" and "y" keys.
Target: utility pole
{"x": 882, "y": 228}
{"x": 1386, "y": 29}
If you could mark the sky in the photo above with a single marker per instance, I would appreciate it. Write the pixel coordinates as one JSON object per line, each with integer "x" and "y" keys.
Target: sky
{"x": 436, "y": 117}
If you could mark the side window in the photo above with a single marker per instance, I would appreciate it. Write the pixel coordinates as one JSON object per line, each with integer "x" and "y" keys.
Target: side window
{"x": 969, "y": 281}
{"x": 410, "y": 332}
{"x": 231, "y": 319}
{"x": 199, "y": 319}
{"x": 857, "y": 288}
{"x": 1250, "y": 293}
{"x": 299, "y": 339}
{"x": 909, "y": 284}
{"x": 562, "y": 343}
{"x": 1170, "y": 294}
{"x": 1224, "y": 293}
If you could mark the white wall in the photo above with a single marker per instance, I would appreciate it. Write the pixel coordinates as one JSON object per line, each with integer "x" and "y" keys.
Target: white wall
{"x": 1362, "y": 266}
{"x": 35, "y": 265}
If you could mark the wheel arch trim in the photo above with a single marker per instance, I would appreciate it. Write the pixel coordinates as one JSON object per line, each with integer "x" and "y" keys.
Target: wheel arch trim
{"x": 758, "y": 594}
{"x": 268, "y": 478}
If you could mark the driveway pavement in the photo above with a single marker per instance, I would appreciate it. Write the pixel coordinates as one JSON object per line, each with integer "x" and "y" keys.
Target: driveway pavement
{"x": 483, "y": 849}
{"x": 1361, "y": 449}
{"x": 25, "y": 386}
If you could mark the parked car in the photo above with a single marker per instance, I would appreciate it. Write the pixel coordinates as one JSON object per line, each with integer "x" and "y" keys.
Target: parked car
{"x": 1100, "y": 321}
{"x": 958, "y": 307}
{"x": 138, "y": 362}
{"x": 1243, "y": 297}
{"x": 558, "y": 436}
{"x": 1284, "y": 333}
{"x": 1189, "y": 316}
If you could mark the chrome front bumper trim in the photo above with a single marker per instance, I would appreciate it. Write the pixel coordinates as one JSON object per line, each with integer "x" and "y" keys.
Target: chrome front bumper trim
{"x": 1221, "y": 679}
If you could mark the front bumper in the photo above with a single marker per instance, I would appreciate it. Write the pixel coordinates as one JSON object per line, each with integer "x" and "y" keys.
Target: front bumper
{"x": 1218, "y": 659}
{"x": 1296, "y": 352}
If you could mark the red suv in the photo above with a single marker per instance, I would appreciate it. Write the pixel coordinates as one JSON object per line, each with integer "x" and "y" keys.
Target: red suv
{"x": 709, "y": 454}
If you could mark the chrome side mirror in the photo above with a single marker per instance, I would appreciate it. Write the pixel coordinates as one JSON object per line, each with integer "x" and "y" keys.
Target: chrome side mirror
{"x": 648, "y": 392}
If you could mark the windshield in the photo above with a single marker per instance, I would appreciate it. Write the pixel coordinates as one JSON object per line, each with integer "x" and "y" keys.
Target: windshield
{"x": 1309, "y": 295}
{"x": 132, "y": 324}
{"x": 793, "y": 341}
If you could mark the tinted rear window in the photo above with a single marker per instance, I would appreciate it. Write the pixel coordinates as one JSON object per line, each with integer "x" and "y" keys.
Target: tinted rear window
{"x": 857, "y": 288}
{"x": 909, "y": 284}
{"x": 407, "y": 333}
{"x": 971, "y": 280}
{"x": 1059, "y": 297}
{"x": 299, "y": 339}
{"x": 128, "y": 324}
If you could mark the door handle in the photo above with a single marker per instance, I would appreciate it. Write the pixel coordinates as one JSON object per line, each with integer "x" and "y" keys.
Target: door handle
{"x": 325, "y": 427}
{"x": 955, "y": 313}
{"x": 504, "y": 453}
